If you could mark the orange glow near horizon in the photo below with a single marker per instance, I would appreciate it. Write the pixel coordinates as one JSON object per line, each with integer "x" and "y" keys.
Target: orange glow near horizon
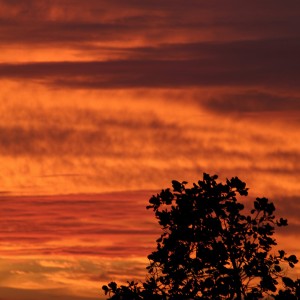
{"x": 104, "y": 103}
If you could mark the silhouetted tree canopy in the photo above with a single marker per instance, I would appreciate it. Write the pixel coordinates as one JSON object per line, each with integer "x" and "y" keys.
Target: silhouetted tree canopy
{"x": 210, "y": 249}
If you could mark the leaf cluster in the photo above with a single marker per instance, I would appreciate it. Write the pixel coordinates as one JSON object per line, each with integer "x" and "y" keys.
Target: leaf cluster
{"x": 210, "y": 249}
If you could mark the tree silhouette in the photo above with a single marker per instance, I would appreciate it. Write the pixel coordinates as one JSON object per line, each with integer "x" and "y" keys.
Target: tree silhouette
{"x": 209, "y": 249}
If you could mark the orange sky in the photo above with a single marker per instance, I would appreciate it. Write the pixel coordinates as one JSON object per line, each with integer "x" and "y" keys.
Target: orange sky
{"x": 103, "y": 103}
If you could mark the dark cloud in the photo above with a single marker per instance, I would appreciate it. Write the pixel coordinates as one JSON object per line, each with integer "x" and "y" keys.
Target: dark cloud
{"x": 251, "y": 63}
{"x": 49, "y": 33}
{"x": 252, "y": 101}
{"x": 65, "y": 22}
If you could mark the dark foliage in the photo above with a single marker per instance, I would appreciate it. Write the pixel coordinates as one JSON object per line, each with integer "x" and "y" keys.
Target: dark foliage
{"x": 210, "y": 249}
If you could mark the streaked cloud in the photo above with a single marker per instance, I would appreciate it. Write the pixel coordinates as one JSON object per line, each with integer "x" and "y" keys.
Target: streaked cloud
{"x": 18, "y": 294}
{"x": 103, "y": 103}
{"x": 72, "y": 242}
{"x": 83, "y": 241}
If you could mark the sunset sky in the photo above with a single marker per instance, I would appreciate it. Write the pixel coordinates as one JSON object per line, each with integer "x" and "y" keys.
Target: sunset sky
{"x": 103, "y": 103}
